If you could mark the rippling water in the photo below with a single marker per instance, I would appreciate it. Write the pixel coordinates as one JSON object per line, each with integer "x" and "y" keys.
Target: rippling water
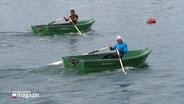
{"x": 25, "y": 56}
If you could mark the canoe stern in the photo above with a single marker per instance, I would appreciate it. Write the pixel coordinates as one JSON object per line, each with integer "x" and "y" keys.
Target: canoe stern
{"x": 40, "y": 29}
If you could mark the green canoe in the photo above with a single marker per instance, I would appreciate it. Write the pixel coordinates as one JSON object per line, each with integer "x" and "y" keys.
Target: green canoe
{"x": 94, "y": 63}
{"x": 84, "y": 25}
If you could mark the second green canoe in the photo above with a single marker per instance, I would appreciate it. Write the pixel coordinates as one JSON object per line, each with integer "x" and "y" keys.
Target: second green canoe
{"x": 84, "y": 25}
{"x": 94, "y": 63}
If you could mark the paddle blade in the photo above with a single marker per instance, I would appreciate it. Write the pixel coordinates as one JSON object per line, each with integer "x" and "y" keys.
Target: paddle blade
{"x": 56, "y": 63}
{"x": 124, "y": 72}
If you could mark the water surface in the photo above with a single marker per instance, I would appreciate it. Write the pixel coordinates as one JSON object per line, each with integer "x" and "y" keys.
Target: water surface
{"x": 25, "y": 56}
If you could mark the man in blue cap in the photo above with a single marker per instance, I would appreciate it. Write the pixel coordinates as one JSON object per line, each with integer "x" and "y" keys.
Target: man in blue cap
{"x": 120, "y": 45}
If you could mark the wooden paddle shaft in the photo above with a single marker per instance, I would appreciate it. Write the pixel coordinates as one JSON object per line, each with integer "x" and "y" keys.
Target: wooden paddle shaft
{"x": 61, "y": 61}
{"x": 59, "y": 19}
{"x": 121, "y": 63}
{"x": 103, "y": 48}
{"x": 75, "y": 26}
{"x": 98, "y": 50}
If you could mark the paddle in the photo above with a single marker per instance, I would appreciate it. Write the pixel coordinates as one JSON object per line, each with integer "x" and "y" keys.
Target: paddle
{"x": 121, "y": 63}
{"x": 56, "y": 21}
{"x": 61, "y": 61}
{"x": 101, "y": 49}
{"x": 75, "y": 27}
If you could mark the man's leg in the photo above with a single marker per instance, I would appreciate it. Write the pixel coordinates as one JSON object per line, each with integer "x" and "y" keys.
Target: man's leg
{"x": 110, "y": 56}
{"x": 66, "y": 24}
{"x": 115, "y": 56}
{"x": 107, "y": 56}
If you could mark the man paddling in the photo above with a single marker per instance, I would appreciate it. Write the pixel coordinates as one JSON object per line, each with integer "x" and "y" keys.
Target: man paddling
{"x": 74, "y": 17}
{"x": 120, "y": 45}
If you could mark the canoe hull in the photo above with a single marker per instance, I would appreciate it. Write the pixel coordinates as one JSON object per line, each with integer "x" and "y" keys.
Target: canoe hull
{"x": 85, "y": 65}
{"x": 61, "y": 29}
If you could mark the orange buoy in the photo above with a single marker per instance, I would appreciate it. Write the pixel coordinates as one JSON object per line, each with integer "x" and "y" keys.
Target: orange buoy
{"x": 151, "y": 20}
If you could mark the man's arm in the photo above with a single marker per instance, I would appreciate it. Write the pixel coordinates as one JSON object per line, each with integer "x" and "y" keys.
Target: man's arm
{"x": 66, "y": 19}
{"x": 112, "y": 48}
{"x": 125, "y": 48}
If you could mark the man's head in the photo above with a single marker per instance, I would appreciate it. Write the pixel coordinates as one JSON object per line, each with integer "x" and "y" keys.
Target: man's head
{"x": 72, "y": 12}
{"x": 119, "y": 39}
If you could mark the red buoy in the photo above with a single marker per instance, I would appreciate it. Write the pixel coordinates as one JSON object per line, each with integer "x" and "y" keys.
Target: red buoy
{"x": 151, "y": 20}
